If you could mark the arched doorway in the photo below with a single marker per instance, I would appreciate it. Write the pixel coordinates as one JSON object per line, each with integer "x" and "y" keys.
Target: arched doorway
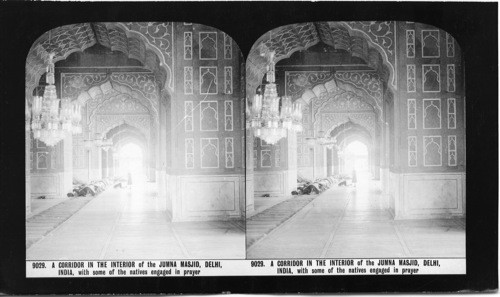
{"x": 130, "y": 162}
{"x": 356, "y": 160}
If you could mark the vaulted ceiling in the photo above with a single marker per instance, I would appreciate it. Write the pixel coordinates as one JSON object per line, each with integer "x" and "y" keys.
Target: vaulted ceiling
{"x": 372, "y": 42}
{"x": 149, "y": 43}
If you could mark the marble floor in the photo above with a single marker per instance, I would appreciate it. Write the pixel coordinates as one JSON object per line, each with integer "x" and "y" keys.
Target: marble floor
{"x": 133, "y": 224}
{"x": 350, "y": 222}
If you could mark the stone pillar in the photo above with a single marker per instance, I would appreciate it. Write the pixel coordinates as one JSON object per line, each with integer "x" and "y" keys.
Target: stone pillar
{"x": 67, "y": 152}
{"x": 249, "y": 187}
{"x": 319, "y": 161}
{"x": 335, "y": 161}
{"x": 27, "y": 137}
{"x": 291, "y": 155}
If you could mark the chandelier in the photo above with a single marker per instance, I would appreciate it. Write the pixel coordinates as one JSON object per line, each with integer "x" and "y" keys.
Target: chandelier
{"x": 52, "y": 118}
{"x": 267, "y": 120}
{"x": 329, "y": 142}
{"x": 99, "y": 142}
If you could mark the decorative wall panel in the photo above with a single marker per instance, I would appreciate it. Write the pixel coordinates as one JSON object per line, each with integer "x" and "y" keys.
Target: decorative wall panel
{"x": 297, "y": 81}
{"x": 433, "y": 194}
{"x": 452, "y": 113}
{"x": 188, "y": 80}
{"x": 431, "y": 113}
{"x": 410, "y": 78}
{"x": 432, "y": 150}
{"x": 430, "y": 44}
{"x": 412, "y": 114}
{"x": 228, "y": 80}
{"x": 188, "y": 116}
{"x": 431, "y": 78}
{"x": 452, "y": 150}
{"x": 410, "y": 43}
{"x": 450, "y": 46}
{"x": 209, "y": 152}
{"x": 229, "y": 148}
{"x": 209, "y": 117}
{"x": 188, "y": 45}
{"x": 189, "y": 152}
{"x": 208, "y": 45}
{"x": 42, "y": 160}
{"x": 450, "y": 75}
{"x": 228, "y": 115}
{"x": 265, "y": 158}
{"x": 277, "y": 157}
{"x": 208, "y": 80}
{"x": 255, "y": 159}
{"x": 412, "y": 151}
{"x": 330, "y": 121}
{"x": 228, "y": 47}
{"x": 78, "y": 152}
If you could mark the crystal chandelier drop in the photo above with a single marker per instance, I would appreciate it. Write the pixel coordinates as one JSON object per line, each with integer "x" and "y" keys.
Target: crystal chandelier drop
{"x": 52, "y": 118}
{"x": 99, "y": 142}
{"x": 267, "y": 120}
{"x": 328, "y": 141}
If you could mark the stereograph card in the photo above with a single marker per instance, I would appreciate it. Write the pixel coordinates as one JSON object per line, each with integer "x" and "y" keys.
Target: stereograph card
{"x": 250, "y": 147}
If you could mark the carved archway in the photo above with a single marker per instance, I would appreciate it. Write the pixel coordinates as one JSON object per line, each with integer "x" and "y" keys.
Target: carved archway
{"x": 149, "y": 43}
{"x": 374, "y": 42}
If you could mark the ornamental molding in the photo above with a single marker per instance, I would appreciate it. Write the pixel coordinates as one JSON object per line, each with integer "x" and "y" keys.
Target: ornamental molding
{"x": 93, "y": 88}
{"x": 150, "y": 43}
{"x": 104, "y": 123}
{"x": 330, "y": 121}
{"x": 383, "y": 35}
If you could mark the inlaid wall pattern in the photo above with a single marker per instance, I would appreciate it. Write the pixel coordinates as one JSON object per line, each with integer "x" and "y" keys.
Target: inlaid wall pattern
{"x": 450, "y": 75}
{"x": 208, "y": 45}
{"x": 228, "y": 47}
{"x": 410, "y": 43}
{"x": 430, "y": 43}
{"x": 209, "y": 152}
{"x": 265, "y": 158}
{"x": 188, "y": 116}
{"x": 450, "y": 46}
{"x": 188, "y": 80}
{"x": 432, "y": 150}
{"x": 410, "y": 78}
{"x": 228, "y": 115}
{"x": 452, "y": 150}
{"x": 209, "y": 117}
{"x": 431, "y": 78}
{"x": 208, "y": 80}
{"x": 412, "y": 151}
{"x": 188, "y": 45}
{"x": 412, "y": 114}
{"x": 431, "y": 113}
{"x": 189, "y": 152}
{"x": 228, "y": 80}
{"x": 452, "y": 113}
{"x": 229, "y": 148}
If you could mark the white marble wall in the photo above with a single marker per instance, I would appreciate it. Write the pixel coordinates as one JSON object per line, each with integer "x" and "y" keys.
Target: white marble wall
{"x": 427, "y": 195}
{"x": 206, "y": 198}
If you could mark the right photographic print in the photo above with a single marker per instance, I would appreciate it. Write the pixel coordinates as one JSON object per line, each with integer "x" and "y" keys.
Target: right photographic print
{"x": 355, "y": 142}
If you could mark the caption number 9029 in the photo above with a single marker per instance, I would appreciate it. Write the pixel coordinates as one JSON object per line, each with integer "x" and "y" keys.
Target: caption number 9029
{"x": 38, "y": 265}
{"x": 257, "y": 263}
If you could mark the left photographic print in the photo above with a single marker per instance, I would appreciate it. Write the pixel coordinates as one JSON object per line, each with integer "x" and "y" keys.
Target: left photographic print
{"x": 134, "y": 143}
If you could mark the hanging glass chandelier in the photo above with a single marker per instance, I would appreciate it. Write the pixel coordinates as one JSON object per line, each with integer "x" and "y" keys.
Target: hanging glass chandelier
{"x": 52, "y": 118}
{"x": 99, "y": 142}
{"x": 329, "y": 142}
{"x": 267, "y": 120}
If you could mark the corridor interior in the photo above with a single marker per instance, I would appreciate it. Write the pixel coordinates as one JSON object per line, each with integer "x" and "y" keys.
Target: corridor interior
{"x": 351, "y": 222}
{"x": 129, "y": 223}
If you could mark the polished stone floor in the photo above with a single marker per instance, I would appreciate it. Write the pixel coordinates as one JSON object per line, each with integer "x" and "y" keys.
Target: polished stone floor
{"x": 133, "y": 224}
{"x": 350, "y": 222}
